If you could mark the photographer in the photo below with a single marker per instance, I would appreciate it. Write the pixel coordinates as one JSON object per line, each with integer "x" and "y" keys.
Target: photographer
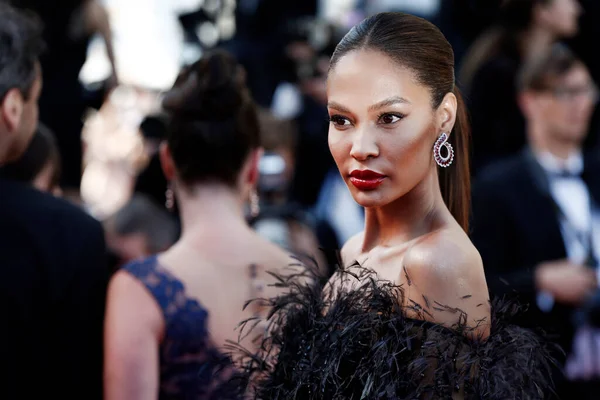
{"x": 281, "y": 220}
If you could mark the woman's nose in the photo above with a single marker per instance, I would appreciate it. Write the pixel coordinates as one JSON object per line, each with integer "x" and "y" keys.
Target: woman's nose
{"x": 364, "y": 147}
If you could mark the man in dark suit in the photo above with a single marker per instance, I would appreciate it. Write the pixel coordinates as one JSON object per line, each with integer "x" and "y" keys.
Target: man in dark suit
{"x": 53, "y": 274}
{"x": 536, "y": 217}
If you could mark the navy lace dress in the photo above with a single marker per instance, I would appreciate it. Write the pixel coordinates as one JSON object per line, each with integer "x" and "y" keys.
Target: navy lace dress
{"x": 190, "y": 365}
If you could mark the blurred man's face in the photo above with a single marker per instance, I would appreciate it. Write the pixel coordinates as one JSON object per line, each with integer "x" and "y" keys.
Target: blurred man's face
{"x": 565, "y": 109}
{"x": 19, "y": 120}
{"x": 129, "y": 247}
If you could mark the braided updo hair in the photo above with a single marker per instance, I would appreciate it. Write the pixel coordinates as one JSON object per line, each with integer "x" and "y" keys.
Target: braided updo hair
{"x": 213, "y": 123}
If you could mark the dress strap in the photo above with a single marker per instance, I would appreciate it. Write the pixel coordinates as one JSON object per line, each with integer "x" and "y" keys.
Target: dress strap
{"x": 167, "y": 290}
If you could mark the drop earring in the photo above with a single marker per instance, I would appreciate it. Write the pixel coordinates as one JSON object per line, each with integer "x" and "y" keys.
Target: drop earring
{"x": 254, "y": 204}
{"x": 443, "y": 161}
{"x": 170, "y": 198}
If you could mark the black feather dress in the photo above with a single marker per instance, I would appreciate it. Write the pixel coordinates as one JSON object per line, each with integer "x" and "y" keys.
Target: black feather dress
{"x": 359, "y": 343}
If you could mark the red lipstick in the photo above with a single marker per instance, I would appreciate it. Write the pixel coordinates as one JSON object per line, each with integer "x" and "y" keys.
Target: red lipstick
{"x": 366, "y": 179}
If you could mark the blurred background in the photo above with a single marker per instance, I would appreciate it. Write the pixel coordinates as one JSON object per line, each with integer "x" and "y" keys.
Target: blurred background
{"x": 108, "y": 63}
{"x": 111, "y": 61}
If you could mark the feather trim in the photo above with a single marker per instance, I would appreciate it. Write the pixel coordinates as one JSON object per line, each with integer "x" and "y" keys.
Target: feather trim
{"x": 359, "y": 344}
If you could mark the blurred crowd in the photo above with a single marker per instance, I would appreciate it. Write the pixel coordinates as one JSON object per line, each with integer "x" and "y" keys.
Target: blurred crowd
{"x": 527, "y": 69}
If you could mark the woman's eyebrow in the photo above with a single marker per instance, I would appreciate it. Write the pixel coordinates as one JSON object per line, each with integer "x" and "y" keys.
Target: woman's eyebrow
{"x": 388, "y": 102}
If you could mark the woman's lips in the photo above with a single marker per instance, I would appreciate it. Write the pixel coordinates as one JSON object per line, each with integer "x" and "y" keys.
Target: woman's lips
{"x": 366, "y": 179}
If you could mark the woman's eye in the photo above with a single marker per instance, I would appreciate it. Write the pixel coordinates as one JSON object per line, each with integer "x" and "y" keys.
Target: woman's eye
{"x": 388, "y": 119}
{"x": 340, "y": 121}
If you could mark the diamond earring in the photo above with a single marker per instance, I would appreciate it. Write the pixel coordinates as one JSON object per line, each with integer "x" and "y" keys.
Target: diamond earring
{"x": 254, "y": 204}
{"x": 169, "y": 198}
{"x": 443, "y": 161}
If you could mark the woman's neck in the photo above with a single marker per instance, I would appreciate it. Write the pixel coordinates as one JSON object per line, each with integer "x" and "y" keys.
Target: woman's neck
{"x": 416, "y": 213}
{"x": 535, "y": 42}
{"x": 208, "y": 209}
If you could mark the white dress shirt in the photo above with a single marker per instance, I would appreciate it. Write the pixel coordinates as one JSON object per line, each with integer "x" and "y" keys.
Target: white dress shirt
{"x": 579, "y": 218}
{"x": 580, "y": 228}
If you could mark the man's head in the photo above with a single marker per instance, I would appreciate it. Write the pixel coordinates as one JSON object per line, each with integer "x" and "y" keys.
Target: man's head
{"x": 557, "y": 96}
{"x": 20, "y": 81}
{"x": 139, "y": 229}
{"x": 40, "y": 165}
{"x": 276, "y": 167}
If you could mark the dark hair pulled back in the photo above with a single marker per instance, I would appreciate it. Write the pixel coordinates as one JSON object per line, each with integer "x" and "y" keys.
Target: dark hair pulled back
{"x": 419, "y": 45}
{"x": 517, "y": 15}
{"x": 213, "y": 124}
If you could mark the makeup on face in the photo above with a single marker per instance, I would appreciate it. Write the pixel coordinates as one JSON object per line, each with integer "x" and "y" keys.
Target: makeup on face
{"x": 366, "y": 179}
{"x": 382, "y": 131}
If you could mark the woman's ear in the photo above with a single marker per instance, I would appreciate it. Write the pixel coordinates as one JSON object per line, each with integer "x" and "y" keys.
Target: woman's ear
{"x": 446, "y": 113}
{"x": 528, "y": 104}
{"x": 11, "y": 110}
{"x": 166, "y": 161}
{"x": 253, "y": 168}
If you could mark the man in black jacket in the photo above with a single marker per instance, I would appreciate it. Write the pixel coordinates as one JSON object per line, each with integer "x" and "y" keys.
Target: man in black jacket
{"x": 53, "y": 272}
{"x": 536, "y": 216}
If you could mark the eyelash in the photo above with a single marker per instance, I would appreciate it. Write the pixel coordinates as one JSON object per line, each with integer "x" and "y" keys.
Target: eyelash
{"x": 336, "y": 118}
{"x": 397, "y": 115}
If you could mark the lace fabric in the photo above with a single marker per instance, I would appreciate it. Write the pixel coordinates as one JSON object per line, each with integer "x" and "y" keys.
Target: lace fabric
{"x": 190, "y": 365}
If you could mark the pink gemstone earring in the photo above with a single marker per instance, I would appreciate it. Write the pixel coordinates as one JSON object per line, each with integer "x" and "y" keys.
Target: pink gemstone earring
{"x": 443, "y": 161}
{"x": 254, "y": 204}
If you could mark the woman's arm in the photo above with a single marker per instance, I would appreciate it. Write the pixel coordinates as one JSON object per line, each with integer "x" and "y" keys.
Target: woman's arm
{"x": 133, "y": 329}
{"x": 97, "y": 20}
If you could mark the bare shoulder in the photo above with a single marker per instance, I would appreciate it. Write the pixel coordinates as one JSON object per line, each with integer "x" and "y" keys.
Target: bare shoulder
{"x": 445, "y": 276}
{"x": 124, "y": 285}
{"x": 129, "y": 300}
{"x": 274, "y": 257}
{"x": 445, "y": 254}
{"x": 274, "y": 261}
{"x": 351, "y": 249}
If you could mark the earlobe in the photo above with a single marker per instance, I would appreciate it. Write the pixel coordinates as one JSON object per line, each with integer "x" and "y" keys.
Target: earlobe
{"x": 12, "y": 109}
{"x": 254, "y": 173}
{"x": 166, "y": 161}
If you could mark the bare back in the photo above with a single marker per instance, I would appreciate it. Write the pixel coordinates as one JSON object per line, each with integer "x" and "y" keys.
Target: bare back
{"x": 179, "y": 310}
{"x": 223, "y": 274}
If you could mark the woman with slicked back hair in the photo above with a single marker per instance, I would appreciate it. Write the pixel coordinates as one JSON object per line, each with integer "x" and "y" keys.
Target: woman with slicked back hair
{"x": 407, "y": 315}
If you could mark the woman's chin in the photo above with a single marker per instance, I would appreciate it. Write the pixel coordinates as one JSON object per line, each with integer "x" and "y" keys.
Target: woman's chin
{"x": 368, "y": 199}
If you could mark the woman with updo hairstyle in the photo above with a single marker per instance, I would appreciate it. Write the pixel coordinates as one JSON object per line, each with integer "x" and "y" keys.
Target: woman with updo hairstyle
{"x": 407, "y": 314}
{"x": 170, "y": 316}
